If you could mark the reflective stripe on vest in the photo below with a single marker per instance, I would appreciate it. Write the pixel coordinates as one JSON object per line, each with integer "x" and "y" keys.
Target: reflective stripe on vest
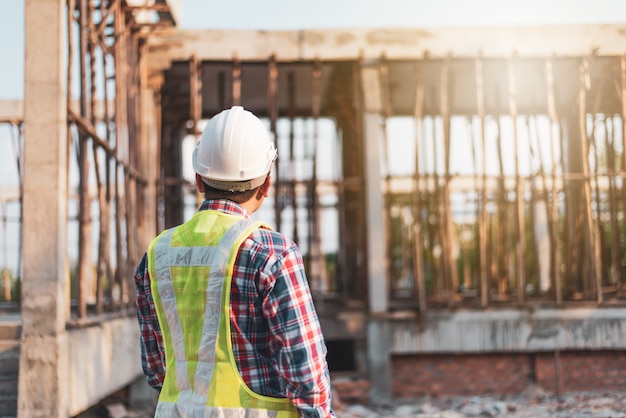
{"x": 191, "y": 270}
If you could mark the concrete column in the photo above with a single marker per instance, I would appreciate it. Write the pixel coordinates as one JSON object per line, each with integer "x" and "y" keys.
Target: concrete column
{"x": 375, "y": 221}
{"x": 45, "y": 283}
{"x": 379, "y": 361}
{"x": 379, "y": 367}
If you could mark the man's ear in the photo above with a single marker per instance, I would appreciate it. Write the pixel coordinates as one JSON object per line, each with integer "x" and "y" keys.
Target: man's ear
{"x": 265, "y": 187}
{"x": 199, "y": 183}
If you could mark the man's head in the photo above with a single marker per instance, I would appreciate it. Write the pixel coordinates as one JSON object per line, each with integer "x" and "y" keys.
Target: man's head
{"x": 234, "y": 155}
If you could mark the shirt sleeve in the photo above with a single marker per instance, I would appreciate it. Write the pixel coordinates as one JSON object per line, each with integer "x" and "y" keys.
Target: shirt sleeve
{"x": 151, "y": 340}
{"x": 296, "y": 329}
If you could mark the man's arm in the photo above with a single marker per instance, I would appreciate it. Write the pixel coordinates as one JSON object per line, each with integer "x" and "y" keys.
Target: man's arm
{"x": 150, "y": 332}
{"x": 295, "y": 326}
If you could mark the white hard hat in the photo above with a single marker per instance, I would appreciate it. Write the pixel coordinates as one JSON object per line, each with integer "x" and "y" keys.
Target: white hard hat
{"x": 234, "y": 152}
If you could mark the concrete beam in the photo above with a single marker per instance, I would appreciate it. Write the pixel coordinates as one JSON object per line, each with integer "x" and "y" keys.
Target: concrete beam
{"x": 170, "y": 45}
{"x": 510, "y": 330}
{"x": 11, "y": 111}
{"x": 105, "y": 358}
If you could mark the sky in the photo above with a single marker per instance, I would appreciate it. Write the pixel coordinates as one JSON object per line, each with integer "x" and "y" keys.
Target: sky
{"x": 293, "y": 15}
{"x": 319, "y": 14}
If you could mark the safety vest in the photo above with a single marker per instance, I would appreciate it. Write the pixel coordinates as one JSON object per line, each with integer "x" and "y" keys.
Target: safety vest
{"x": 191, "y": 268}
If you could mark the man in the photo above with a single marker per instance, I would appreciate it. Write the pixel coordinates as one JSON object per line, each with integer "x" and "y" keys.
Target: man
{"x": 228, "y": 326}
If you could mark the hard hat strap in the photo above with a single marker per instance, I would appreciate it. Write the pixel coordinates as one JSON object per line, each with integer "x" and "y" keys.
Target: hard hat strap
{"x": 235, "y": 186}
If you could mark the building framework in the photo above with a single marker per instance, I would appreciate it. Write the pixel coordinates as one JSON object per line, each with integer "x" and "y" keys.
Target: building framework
{"x": 513, "y": 199}
{"x": 457, "y": 193}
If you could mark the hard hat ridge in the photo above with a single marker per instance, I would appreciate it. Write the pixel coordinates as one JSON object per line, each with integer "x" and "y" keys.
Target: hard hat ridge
{"x": 234, "y": 152}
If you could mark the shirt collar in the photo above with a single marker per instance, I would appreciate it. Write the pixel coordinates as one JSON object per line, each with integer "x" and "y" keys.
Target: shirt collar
{"x": 224, "y": 205}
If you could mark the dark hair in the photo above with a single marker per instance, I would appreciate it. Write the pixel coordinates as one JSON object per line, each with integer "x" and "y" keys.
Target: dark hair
{"x": 237, "y": 197}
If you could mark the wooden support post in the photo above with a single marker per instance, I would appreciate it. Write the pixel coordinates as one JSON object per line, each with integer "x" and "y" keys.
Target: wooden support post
{"x": 319, "y": 276}
{"x": 520, "y": 223}
{"x": 195, "y": 104}
{"x": 609, "y": 143}
{"x": 502, "y": 252}
{"x": 553, "y": 202}
{"x": 483, "y": 237}
{"x": 447, "y": 232}
{"x": 622, "y": 172}
{"x": 121, "y": 138}
{"x": 272, "y": 90}
{"x": 236, "y": 81}
{"x": 385, "y": 101}
{"x": 83, "y": 278}
{"x": 594, "y": 259}
{"x": 5, "y": 265}
{"x": 291, "y": 93}
{"x": 419, "y": 293}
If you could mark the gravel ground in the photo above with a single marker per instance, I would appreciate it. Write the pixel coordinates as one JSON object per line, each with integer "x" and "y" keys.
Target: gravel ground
{"x": 532, "y": 404}
{"x": 572, "y": 405}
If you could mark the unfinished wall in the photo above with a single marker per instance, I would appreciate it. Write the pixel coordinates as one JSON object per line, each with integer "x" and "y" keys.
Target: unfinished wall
{"x": 103, "y": 359}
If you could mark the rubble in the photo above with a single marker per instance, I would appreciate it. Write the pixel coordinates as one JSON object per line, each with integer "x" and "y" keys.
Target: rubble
{"x": 534, "y": 403}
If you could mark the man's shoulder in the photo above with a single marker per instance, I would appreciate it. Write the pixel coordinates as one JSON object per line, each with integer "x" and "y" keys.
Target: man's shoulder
{"x": 272, "y": 239}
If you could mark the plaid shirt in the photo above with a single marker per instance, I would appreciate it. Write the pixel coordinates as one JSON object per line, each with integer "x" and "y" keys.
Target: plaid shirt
{"x": 277, "y": 339}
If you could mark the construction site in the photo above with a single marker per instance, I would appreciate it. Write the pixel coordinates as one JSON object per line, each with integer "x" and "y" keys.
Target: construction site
{"x": 458, "y": 196}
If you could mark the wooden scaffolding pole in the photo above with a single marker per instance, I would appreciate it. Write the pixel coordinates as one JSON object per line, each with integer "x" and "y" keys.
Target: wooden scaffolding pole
{"x": 520, "y": 246}
{"x": 622, "y": 172}
{"x": 596, "y": 268}
{"x": 195, "y": 105}
{"x": 553, "y": 214}
{"x": 483, "y": 237}
{"x": 103, "y": 226}
{"x": 120, "y": 140}
{"x": 236, "y": 74}
{"x": 451, "y": 279}
{"x": 419, "y": 293}
{"x": 291, "y": 97}
{"x": 385, "y": 101}
{"x": 84, "y": 214}
{"x": 609, "y": 144}
{"x": 272, "y": 110}
{"x": 319, "y": 275}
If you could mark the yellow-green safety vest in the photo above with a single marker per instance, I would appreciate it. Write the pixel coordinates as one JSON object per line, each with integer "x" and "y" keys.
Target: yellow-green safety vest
{"x": 191, "y": 268}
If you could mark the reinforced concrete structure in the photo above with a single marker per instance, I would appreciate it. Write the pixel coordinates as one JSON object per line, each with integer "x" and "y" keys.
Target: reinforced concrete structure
{"x": 458, "y": 194}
